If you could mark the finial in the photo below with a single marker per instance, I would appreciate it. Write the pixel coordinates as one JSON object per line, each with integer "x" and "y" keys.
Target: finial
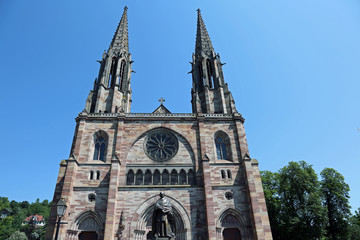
{"x": 198, "y": 10}
{"x": 125, "y": 8}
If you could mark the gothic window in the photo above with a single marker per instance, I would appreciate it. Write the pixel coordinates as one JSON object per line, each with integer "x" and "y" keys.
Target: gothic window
{"x": 223, "y": 174}
{"x": 156, "y": 177}
{"x": 130, "y": 177}
{"x": 182, "y": 177}
{"x": 174, "y": 177}
{"x": 222, "y": 145}
{"x": 97, "y": 175}
{"x": 91, "y": 175}
{"x": 112, "y": 74}
{"x": 229, "y": 175}
{"x": 165, "y": 177}
{"x": 100, "y": 145}
{"x": 201, "y": 77}
{"x": 122, "y": 74}
{"x": 139, "y": 178}
{"x": 210, "y": 74}
{"x": 147, "y": 178}
{"x": 191, "y": 177}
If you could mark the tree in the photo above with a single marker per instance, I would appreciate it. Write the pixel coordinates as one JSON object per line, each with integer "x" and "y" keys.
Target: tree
{"x": 18, "y": 236}
{"x": 302, "y": 216}
{"x": 354, "y": 229}
{"x": 6, "y": 227}
{"x": 270, "y": 183}
{"x": 336, "y": 200}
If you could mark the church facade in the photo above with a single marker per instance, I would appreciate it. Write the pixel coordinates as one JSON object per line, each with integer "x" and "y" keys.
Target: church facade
{"x": 120, "y": 161}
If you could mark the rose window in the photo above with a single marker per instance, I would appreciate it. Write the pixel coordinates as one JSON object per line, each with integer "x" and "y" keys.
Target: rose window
{"x": 161, "y": 145}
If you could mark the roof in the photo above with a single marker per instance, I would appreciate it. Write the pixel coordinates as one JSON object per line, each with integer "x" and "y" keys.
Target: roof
{"x": 38, "y": 218}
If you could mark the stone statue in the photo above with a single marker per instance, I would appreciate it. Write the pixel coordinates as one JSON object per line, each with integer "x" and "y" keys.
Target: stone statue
{"x": 163, "y": 223}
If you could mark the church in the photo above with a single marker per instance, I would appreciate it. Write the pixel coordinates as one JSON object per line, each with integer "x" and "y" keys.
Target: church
{"x": 121, "y": 163}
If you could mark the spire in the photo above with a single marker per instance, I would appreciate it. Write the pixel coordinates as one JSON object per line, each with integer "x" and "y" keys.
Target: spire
{"x": 203, "y": 42}
{"x": 121, "y": 39}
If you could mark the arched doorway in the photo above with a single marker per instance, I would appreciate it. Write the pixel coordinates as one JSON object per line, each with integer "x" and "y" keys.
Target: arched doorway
{"x": 231, "y": 234}
{"x": 87, "y": 226}
{"x": 141, "y": 225}
{"x": 88, "y": 235}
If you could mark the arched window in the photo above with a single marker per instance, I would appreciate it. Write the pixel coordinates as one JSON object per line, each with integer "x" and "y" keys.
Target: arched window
{"x": 191, "y": 177}
{"x": 130, "y": 177}
{"x": 174, "y": 177}
{"x": 122, "y": 74}
{"x": 147, "y": 178}
{"x": 229, "y": 175}
{"x": 156, "y": 177}
{"x": 165, "y": 177}
{"x": 91, "y": 175}
{"x": 222, "y": 145}
{"x": 97, "y": 175}
{"x": 210, "y": 74}
{"x": 201, "y": 77}
{"x": 100, "y": 145}
{"x": 223, "y": 174}
{"x": 182, "y": 177}
{"x": 139, "y": 178}
{"x": 112, "y": 74}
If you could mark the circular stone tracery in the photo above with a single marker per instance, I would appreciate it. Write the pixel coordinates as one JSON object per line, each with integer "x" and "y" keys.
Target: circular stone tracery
{"x": 161, "y": 145}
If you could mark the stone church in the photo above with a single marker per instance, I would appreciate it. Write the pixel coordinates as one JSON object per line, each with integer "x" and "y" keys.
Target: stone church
{"x": 120, "y": 161}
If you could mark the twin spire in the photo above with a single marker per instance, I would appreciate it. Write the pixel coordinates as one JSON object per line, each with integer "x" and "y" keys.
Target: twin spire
{"x": 112, "y": 89}
{"x": 121, "y": 38}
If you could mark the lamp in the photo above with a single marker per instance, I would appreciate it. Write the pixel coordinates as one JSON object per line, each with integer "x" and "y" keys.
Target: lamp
{"x": 60, "y": 209}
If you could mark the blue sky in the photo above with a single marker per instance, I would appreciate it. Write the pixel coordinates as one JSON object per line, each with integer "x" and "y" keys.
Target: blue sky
{"x": 292, "y": 66}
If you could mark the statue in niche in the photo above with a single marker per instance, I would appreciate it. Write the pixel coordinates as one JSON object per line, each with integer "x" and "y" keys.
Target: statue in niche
{"x": 163, "y": 222}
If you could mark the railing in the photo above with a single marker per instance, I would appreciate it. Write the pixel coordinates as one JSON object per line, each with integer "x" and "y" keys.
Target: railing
{"x": 160, "y": 115}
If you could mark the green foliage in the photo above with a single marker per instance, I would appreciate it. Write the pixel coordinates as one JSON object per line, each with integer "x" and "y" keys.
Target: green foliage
{"x": 18, "y": 212}
{"x": 336, "y": 199}
{"x": 354, "y": 228}
{"x": 18, "y": 236}
{"x": 301, "y": 207}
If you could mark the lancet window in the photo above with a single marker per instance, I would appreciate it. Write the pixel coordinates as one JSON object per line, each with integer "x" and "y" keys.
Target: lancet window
{"x": 122, "y": 74}
{"x": 100, "y": 145}
{"x": 210, "y": 74}
{"x": 112, "y": 74}
{"x": 222, "y": 145}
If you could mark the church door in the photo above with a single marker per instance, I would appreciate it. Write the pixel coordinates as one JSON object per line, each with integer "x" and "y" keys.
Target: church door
{"x": 88, "y": 235}
{"x": 231, "y": 234}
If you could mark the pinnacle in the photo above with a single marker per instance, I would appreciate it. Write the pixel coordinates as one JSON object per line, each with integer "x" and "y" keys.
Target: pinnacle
{"x": 121, "y": 39}
{"x": 203, "y": 42}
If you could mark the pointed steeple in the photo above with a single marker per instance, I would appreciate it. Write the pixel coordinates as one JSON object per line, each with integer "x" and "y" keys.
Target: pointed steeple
{"x": 210, "y": 93}
{"x": 121, "y": 38}
{"x": 203, "y": 43}
{"x": 112, "y": 88}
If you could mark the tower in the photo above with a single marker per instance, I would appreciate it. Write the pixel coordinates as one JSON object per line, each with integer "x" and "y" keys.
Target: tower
{"x": 120, "y": 161}
{"x": 112, "y": 90}
{"x": 210, "y": 93}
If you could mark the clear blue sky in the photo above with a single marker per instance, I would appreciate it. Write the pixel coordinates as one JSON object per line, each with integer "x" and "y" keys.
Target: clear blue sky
{"x": 292, "y": 66}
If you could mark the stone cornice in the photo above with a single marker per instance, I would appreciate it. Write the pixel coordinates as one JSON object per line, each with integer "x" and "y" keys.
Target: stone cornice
{"x": 161, "y": 116}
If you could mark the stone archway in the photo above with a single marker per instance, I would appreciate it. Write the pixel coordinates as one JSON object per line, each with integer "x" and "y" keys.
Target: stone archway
{"x": 88, "y": 225}
{"x": 141, "y": 225}
{"x": 231, "y": 226}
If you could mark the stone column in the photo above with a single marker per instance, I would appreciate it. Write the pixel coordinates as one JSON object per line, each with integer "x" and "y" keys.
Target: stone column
{"x": 258, "y": 213}
{"x": 111, "y": 201}
{"x": 206, "y": 171}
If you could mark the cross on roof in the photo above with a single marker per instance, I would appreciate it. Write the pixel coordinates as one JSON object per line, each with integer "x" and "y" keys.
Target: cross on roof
{"x": 161, "y": 100}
